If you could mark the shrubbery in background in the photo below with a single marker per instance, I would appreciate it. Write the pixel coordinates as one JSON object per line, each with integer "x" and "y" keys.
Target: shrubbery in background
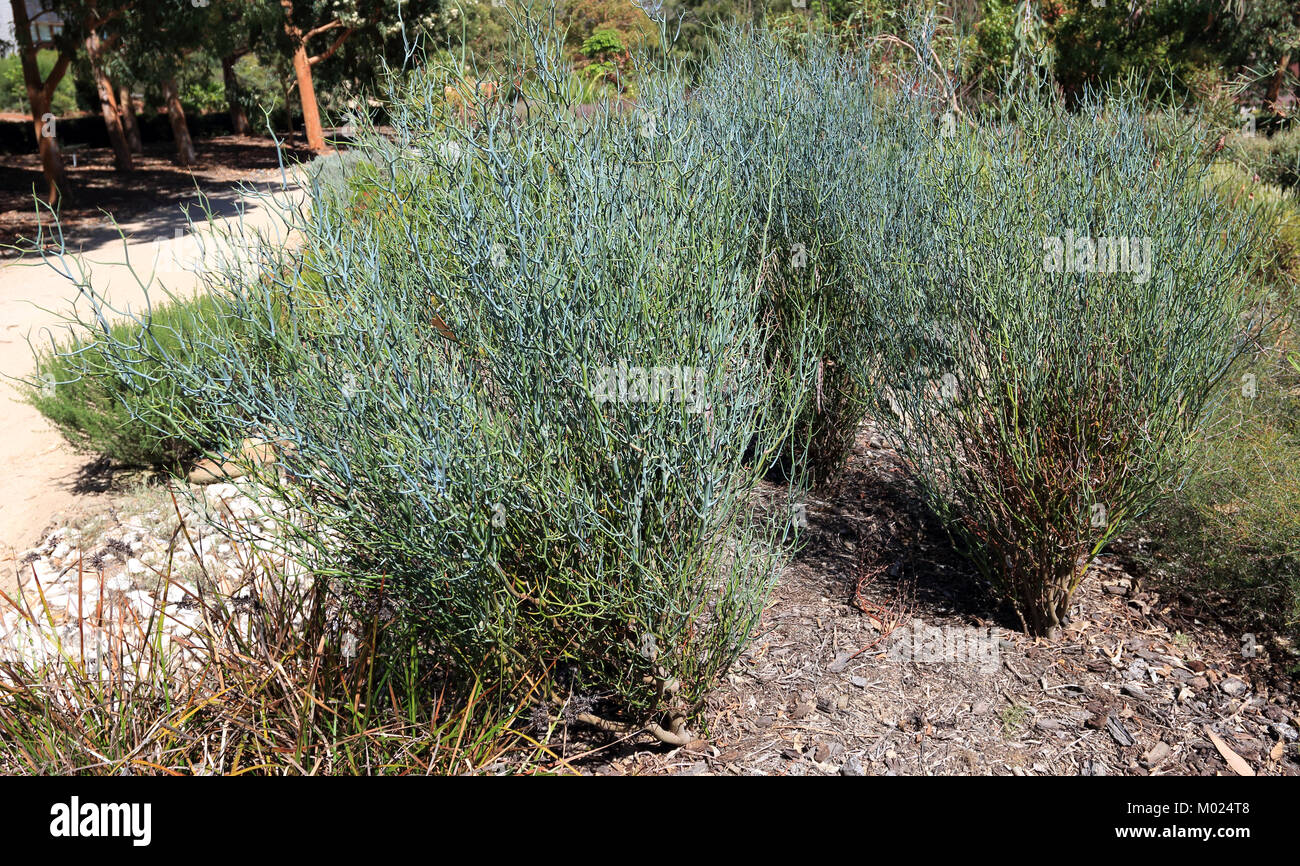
{"x": 13, "y": 92}
{"x": 1234, "y": 531}
{"x": 1273, "y": 159}
{"x": 1231, "y": 532}
{"x": 1276, "y": 265}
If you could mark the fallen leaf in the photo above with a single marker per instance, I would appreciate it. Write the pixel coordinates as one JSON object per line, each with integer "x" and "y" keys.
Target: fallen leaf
{"x": 1235, "y": 761}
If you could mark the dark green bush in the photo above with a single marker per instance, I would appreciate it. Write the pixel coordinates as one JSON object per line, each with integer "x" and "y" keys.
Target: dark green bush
{"x": 1272, "y": 159}
{"x": 135, "y": 421}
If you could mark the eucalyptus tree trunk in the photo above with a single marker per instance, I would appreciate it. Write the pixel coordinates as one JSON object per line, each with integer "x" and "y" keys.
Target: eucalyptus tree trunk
{"x": 307, "y": 96}
{"x": 126, "y": 105}
{"x": 108, "y": 107}
{"x": 1275, "y": 85}
{"x": 185, "y": 154}
{"x": 302, "y": 64}
{"x": 39, "y": 93}
{"x": 238, "y": 118}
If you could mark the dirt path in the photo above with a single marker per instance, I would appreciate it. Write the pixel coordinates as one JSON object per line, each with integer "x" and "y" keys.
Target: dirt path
{"x": 40, "y": 476}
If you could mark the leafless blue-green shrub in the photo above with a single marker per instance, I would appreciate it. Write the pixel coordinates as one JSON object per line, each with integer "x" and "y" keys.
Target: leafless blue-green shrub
{"x": 822, "y": 148}
{"x": 1057, "y": 322}
{"x": 512, "y": 393}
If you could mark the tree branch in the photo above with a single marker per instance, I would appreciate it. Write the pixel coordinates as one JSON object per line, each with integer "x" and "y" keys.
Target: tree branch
{"x": 323, "y": 28}
{"x": 56, "y": 75}
{"x": 327, "y": 54}
{"x": 101, "y": 20}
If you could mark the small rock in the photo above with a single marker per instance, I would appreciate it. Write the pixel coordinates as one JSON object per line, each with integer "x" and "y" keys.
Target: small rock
{"x": 1284, "y": 731}
{"x": 1199, "y": 683}
{"x": 57, "y": 596}
{"x": 1134, "y": 691}
{"x": 135, "y": 566}
{"x": 852, "y": 767}
{"x": 142, "y": 601}
{"x": 1233, "y": 687}
{"x": 1159, "y": 752}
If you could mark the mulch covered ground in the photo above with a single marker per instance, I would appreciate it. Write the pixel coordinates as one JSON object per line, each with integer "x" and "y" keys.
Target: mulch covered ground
{"x": 224, "y": 161}
{"x": 879, "y": 653}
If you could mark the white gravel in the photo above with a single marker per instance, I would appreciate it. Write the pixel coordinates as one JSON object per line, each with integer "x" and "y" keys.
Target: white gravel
{"x": 91, "y": 595}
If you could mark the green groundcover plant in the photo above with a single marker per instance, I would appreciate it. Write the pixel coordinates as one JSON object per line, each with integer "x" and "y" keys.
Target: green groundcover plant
{"x": 75, "y": 385}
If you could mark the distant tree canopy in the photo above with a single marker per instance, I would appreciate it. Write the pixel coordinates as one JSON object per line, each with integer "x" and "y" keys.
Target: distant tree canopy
{"x": 309, "y": 58}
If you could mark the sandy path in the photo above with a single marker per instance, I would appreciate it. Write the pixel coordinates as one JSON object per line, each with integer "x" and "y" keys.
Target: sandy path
{"x": 38, "y": 471}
